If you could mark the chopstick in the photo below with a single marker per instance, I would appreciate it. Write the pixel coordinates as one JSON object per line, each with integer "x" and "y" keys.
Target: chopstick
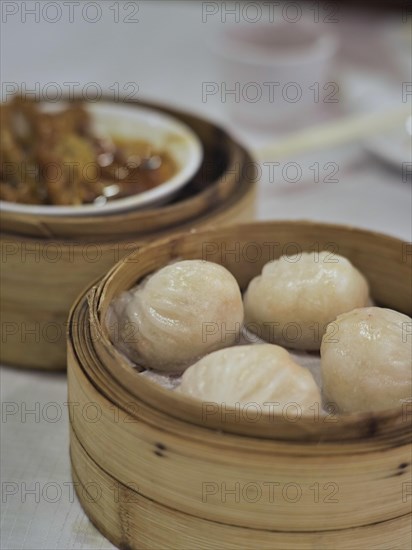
{"x": 333, "y": 134}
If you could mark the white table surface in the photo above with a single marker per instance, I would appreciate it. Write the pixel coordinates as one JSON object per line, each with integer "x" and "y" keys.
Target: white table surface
{"x": 165, "y": 53}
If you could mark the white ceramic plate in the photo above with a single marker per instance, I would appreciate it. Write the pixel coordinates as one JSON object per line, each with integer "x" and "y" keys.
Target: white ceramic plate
{"x": 164, "y": 131}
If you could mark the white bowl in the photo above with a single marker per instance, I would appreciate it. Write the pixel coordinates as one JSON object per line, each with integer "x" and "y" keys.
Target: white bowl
{"x": 136, "y": 122}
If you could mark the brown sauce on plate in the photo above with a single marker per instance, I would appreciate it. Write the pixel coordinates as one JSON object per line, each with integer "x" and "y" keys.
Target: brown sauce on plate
{"x": 56, "y": 158}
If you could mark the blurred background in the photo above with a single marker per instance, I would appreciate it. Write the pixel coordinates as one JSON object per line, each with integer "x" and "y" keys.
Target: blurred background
{"x": 319, "y": 92}
{"x": 264, "y": 70}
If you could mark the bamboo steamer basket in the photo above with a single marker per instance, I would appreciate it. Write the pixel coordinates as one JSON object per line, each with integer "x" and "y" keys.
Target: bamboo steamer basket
{"x": 48, "y": 260}
{"x": 152, "y": 470}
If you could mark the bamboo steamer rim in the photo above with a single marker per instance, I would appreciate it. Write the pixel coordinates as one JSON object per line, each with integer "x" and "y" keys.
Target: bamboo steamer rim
{"x": 153, "y": 219}
{"x": 86, "y": 371}
{"x": 390, "y": 425}
{"x": 241, "y": 194}
{"x": 178, "y": 456}
{"x": 193, "y": 530}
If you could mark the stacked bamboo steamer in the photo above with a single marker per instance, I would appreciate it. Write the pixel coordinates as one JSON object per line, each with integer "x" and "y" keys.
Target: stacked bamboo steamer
{"x": 152, "y": 470}
{"x": 48, "y": 260}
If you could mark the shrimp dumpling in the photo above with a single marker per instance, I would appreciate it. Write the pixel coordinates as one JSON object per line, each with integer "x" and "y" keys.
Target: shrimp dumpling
{"x": 367, "y": 364}
{"x": 182, "y": 312}
{"x": 263, "y": 374}
{"x": 292, "y": 302}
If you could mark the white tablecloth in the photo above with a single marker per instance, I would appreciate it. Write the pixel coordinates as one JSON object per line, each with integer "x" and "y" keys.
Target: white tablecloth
{"x": 165, "y": 54}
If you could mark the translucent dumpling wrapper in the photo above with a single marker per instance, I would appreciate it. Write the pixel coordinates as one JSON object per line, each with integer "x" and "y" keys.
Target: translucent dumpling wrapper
{"x": 367, "y": 363}
{"x": 263, "y": 374}
{"x": 293, "y": 300}
{"x": 180, "y": 313}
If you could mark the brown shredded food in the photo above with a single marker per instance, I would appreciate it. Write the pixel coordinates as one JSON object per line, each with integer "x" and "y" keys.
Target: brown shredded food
{"x": 56, "y": 158}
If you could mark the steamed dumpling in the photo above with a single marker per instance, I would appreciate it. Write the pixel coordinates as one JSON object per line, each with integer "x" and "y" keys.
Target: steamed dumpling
{"x": 366, "y": 361}
{"x": 182, "y": 312}
{"x": 263, "y": 374}
{"x": 291, "y": 303}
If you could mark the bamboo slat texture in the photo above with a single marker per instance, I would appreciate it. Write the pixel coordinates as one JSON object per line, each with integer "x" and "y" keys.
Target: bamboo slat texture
{"x": 170, "y": 476}
{"x": 48, "y": 260}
